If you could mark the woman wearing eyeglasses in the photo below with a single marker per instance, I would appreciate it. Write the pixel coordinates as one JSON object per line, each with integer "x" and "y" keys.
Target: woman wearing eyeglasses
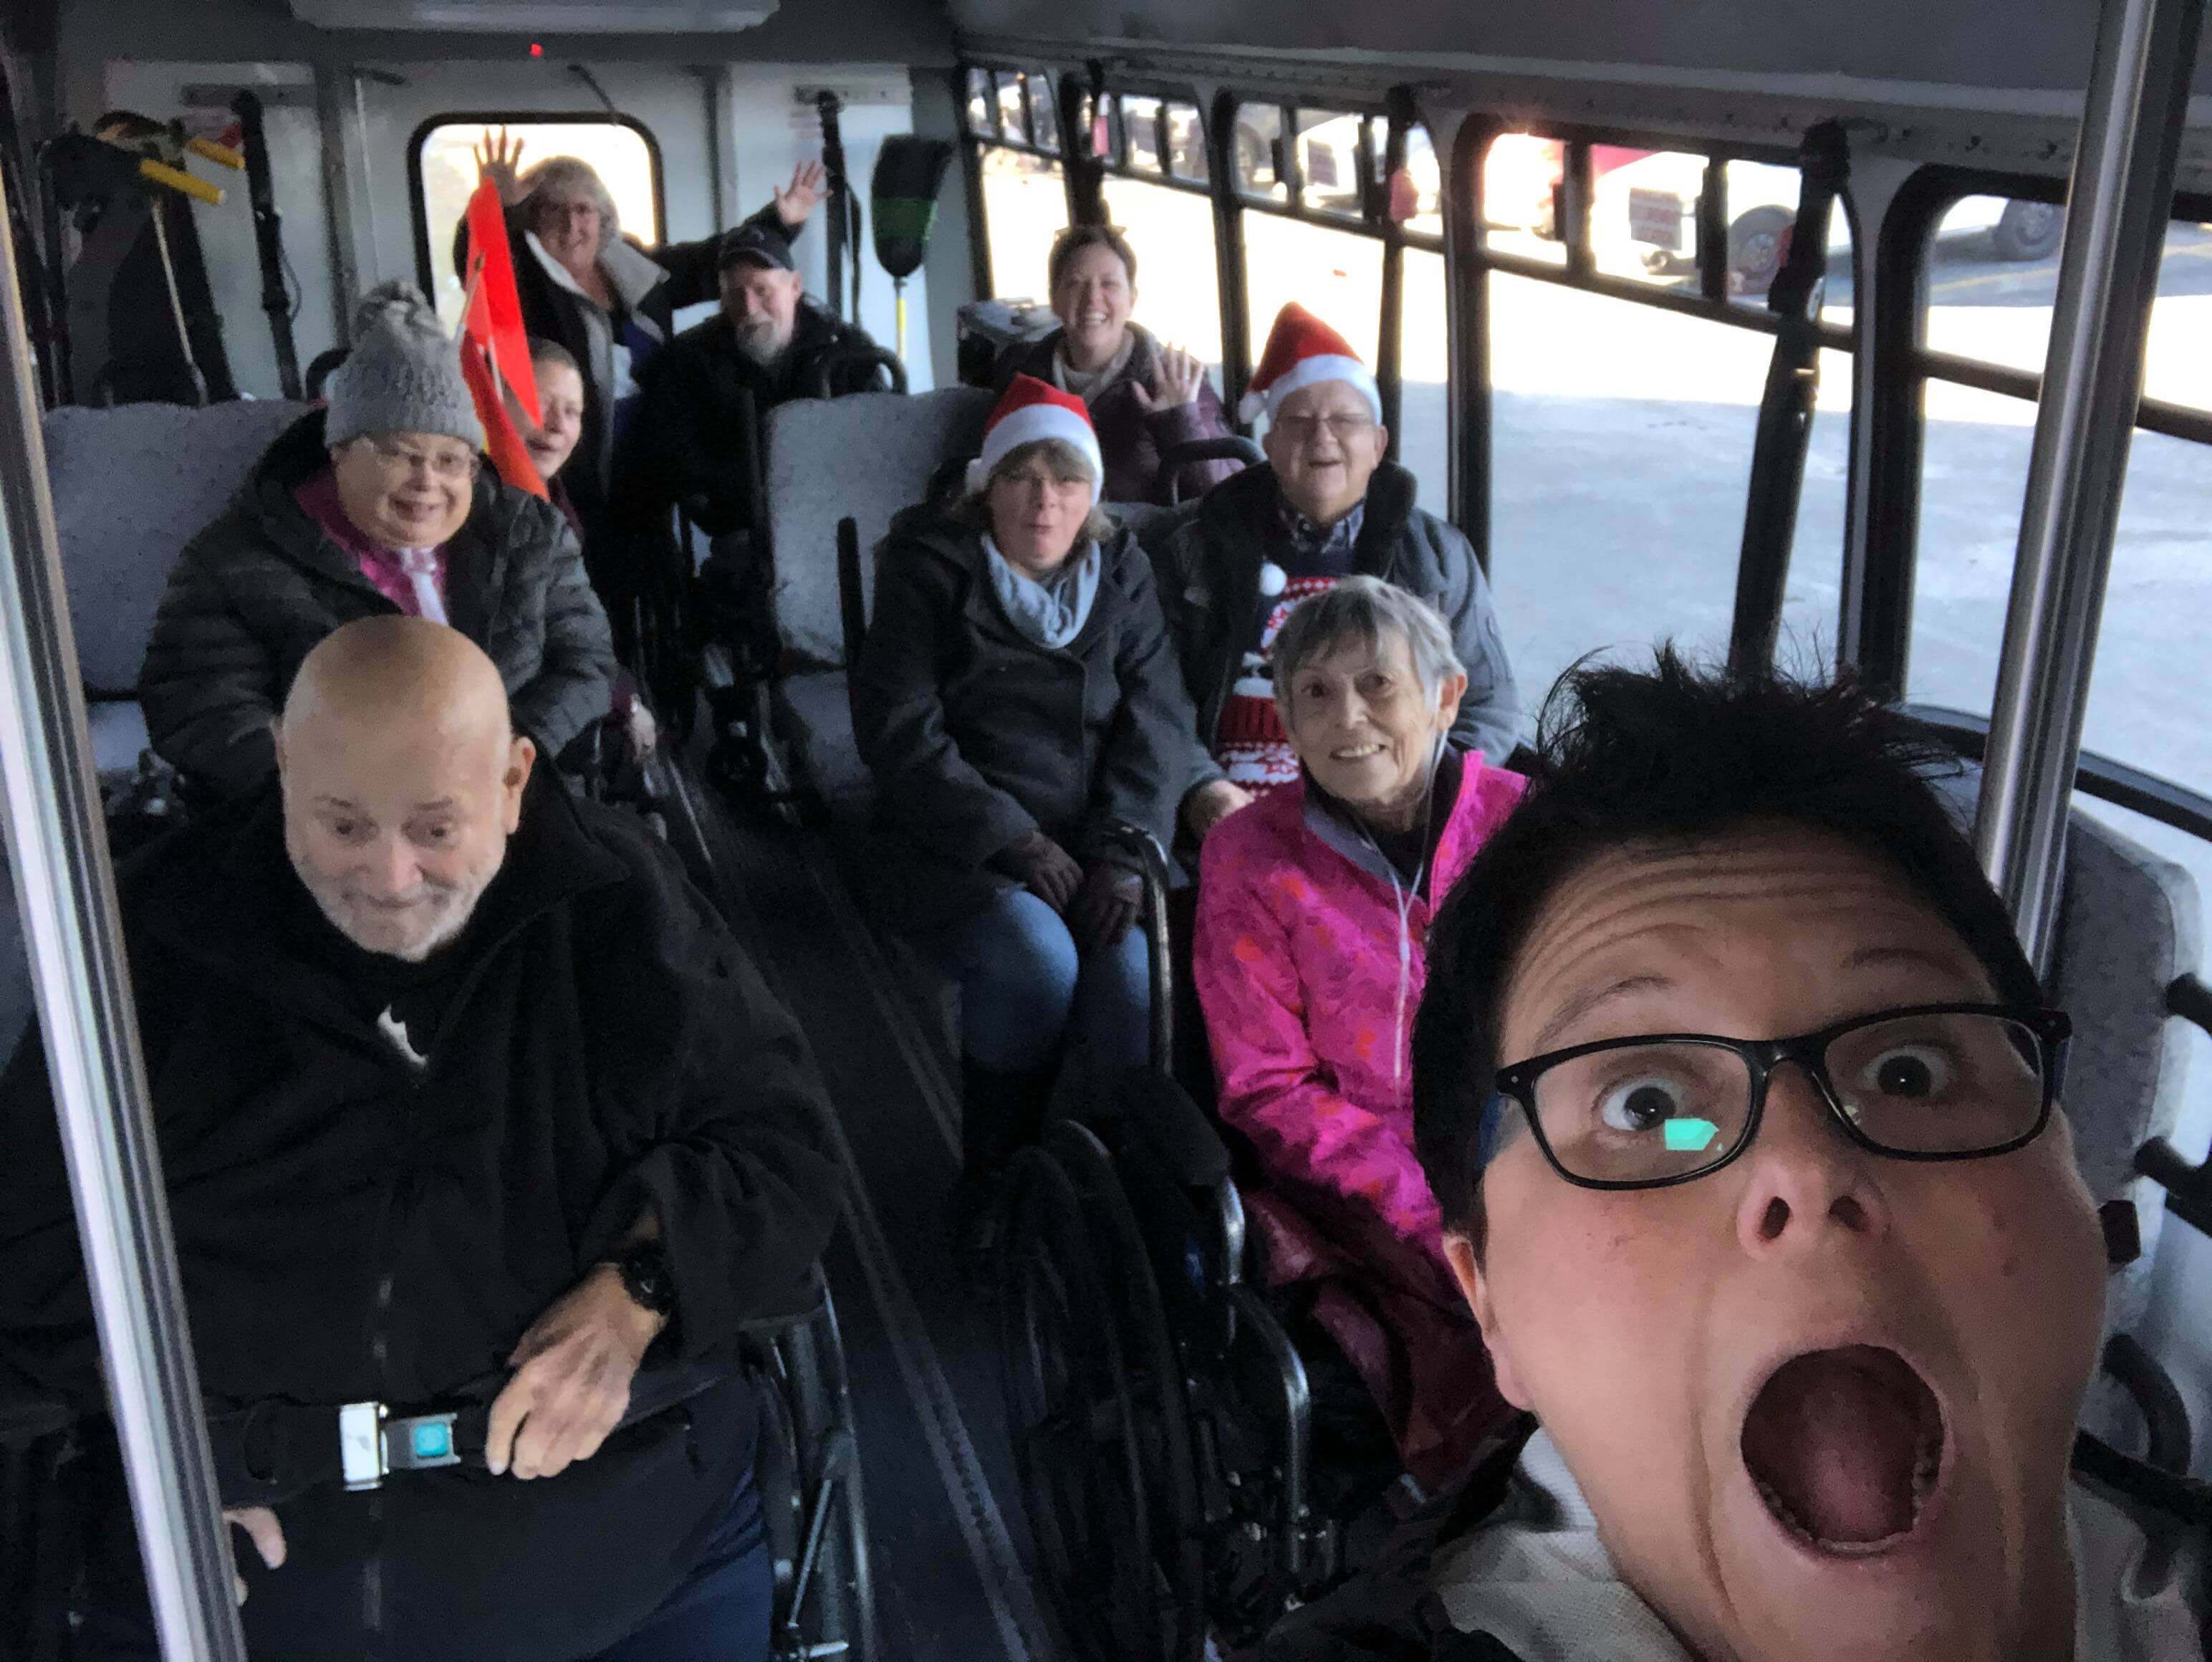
{"x": 377, "y": 503}
{"x": 1313, "y": 912}
{"x": 1742, "y": 1104}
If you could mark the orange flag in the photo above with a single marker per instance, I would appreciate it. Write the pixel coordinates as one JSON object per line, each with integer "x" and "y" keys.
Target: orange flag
{"x": 510, "y": 457}
{"x": 495, "y": 318}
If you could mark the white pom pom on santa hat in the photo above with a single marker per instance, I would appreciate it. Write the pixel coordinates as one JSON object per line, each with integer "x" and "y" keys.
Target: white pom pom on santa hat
{"x": 1304, "y": 351}
{"x": 1033, "y": 410}
{"x": 1273, "y": 580}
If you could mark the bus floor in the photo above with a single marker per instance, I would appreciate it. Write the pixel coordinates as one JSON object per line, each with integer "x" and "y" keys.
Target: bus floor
{"x": 948, "y": 1545}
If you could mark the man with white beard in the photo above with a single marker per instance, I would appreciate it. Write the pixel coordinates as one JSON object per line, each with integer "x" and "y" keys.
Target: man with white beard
{"x": 692, "y": 443}
{"x": 469, "y": 1105}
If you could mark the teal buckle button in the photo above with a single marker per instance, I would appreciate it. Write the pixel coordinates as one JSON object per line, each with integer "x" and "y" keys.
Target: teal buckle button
{"x": 434, "y": 1441}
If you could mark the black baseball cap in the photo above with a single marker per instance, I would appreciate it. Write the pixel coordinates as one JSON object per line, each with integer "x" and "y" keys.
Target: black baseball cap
{"x": 757, "y": 243}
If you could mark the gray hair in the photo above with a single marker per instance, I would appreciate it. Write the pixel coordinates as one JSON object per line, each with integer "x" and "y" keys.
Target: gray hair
{"x": 1373, "y": 612}
{"x": 559, "y": 179}
{"x": 1064, "y": 460}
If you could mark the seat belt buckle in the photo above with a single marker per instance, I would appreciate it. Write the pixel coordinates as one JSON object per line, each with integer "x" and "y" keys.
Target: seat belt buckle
{"x": 374, "y": 1443}
{"x": 421, "y": 1442}
{"x": 361, "y": 1445}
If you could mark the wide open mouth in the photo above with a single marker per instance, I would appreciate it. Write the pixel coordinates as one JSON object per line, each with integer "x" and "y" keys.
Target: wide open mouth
{"x": 1844, "y": 1446}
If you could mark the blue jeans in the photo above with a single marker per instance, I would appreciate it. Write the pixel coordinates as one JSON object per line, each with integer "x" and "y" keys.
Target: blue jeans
{"x": 1024, "y": 986}
{"x": 722, "y": 1613}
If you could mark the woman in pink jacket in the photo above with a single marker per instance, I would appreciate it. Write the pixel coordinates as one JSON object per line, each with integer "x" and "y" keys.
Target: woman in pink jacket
{"x": 1313, "y": 906}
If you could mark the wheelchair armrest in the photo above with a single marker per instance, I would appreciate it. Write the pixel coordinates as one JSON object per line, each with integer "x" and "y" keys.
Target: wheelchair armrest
{"x": 1142, "y": 848}
{"x": 1176, "y": 457}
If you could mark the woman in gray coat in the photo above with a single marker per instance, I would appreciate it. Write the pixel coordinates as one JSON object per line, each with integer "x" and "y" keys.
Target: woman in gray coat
{"x": 1016, "y": 697}
{"x": 379, "y": 504}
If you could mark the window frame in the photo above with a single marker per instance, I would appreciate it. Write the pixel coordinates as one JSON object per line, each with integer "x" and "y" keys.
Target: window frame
{"x": 1895, "y": 428}
{"x": 973, "y": 143}
{"x": 418, "y": 208}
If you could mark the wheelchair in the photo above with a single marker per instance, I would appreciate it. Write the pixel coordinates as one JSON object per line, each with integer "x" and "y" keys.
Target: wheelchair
{"x": 1162, "y": 1413}
{"x": 806, "y": 1469}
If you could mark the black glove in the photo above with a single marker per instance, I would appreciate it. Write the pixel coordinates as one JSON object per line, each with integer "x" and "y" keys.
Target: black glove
{"x": 1045, "y": 869}
{"x": 1106, "y": 906}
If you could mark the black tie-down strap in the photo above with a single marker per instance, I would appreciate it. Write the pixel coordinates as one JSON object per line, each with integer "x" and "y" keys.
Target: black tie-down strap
{"x": 273, "y": 1451}
{"x": 1785, "y": 410}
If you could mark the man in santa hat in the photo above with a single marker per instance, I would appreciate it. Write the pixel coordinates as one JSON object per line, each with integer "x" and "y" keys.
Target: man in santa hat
{"x": 1326, "y": 506}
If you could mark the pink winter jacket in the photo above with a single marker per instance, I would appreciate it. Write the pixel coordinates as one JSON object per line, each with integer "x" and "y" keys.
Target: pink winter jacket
{"x": 1297, "y": 965}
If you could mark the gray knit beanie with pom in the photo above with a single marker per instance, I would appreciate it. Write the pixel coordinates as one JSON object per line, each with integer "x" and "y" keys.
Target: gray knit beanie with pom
{"x": 403, "y": 373}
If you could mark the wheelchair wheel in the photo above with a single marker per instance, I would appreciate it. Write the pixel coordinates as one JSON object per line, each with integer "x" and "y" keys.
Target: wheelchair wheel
{"x": 1155, "y": 1387}
{"x": 1073, "y": 1421}
{"x": 809, "y": 1473}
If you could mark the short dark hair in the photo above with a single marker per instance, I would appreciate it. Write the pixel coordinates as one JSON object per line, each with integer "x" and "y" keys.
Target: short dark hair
{"x": 543, "y": 350}
{"x": 1076, "y": 238}
{"x": 1670, "y": 755}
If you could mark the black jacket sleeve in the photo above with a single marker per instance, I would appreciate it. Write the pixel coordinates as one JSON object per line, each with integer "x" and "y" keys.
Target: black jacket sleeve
{"x": 1153, "y": 758}
{"x": 208, "y": 684}
{"x": 923, "y": 784}
{"x": 49, "y": 1351}
{"x": 575, "y": 683}
{"x": 739, "y": 1164}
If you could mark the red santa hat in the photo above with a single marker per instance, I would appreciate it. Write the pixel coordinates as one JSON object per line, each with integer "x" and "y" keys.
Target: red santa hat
{"x": 1033, "y": 410}
{"x": 1304, "y": 351}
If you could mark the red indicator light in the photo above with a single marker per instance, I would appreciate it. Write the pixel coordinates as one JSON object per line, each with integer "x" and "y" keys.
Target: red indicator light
{"x": 537, "y": 50}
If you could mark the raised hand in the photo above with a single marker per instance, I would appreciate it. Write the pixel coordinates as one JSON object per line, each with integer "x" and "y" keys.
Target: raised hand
{"x": 499, "y": 158}
{"x": 795, "y": 201}
{"x": 1176, "y": 377}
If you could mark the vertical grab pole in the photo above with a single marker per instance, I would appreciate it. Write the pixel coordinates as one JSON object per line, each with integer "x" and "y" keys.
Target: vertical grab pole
{"x": 65, "y": 888}
{"x": 2121, "y": 194}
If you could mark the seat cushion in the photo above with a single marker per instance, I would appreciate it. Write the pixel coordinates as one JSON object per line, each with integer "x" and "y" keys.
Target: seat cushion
{"x": 815, "y": 718}
{"x": 119, "y": 736}
{"x": 132, "y": 486}
{"x": 865, "y": 457}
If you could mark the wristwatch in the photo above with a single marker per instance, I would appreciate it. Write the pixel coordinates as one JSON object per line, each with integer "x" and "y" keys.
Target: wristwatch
{"x": 643, "y": 1267}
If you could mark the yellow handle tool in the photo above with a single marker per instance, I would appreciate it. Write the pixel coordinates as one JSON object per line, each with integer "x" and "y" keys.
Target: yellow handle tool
{"x": 178, "y": 179}
{"x": 222, "y": 155}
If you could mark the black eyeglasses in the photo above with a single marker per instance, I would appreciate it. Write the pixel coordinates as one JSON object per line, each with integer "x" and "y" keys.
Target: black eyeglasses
{"x": 1926, "y": 1082}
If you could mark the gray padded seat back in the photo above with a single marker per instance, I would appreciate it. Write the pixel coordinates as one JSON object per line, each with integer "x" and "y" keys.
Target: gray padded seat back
{"x": 2128, "y": 923}
{"x": 132, "y": 486}
{"x": 865, "y": 458}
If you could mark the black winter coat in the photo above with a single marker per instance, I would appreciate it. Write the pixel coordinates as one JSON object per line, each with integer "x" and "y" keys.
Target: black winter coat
{"x": 1209, "y": 573}
{"x": 977, "y": 736}
{"x": 689, "y": 275}
{"x": 690, "y": 441}
{"x": 350, "y": 1229}
{"x": 253, "y": 594}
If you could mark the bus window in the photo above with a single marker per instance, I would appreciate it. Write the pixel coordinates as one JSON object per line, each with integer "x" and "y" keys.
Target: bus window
{"x": 1044, "y": 123}
{"x": 1259, "y": 144}
{"x": 1976, "y": 448}
{"x": 1178, "y": 285}
{"x": 1643, "y": 216}
{"x": 1024, "y": 186}
{"x": 1013, "y": 121}
{"x": 1336, "y": 275}
{"x": 1141, "y": 122}
{"x": 1187, "y": 144}
{"x": 1025, "y": 207}
{"x": 1423, "y": 380}
{"x": 1520, "y": 175}
{"x": 1622, "y": 440}
{"x": 446, "y": 171}
{"x": 1422, "y": 185}
{"x": 1992, "y": 275}
{"x": 1330, "y": 166}
{"x": 983, "y": 105}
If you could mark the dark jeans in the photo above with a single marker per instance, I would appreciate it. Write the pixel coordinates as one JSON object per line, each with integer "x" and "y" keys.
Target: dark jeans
{"x": 721, "y": 1614}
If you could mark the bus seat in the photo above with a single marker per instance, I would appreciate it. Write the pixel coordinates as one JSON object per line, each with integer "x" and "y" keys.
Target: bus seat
{"x": 2130, "y": 921}
{"x": 130, "y": 486}
{"x": 862, "y": 458}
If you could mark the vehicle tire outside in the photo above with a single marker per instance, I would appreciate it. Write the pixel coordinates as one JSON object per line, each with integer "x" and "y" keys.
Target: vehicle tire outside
{"x": 1758, "y": 243}
{"x": 2028, "y": 230}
